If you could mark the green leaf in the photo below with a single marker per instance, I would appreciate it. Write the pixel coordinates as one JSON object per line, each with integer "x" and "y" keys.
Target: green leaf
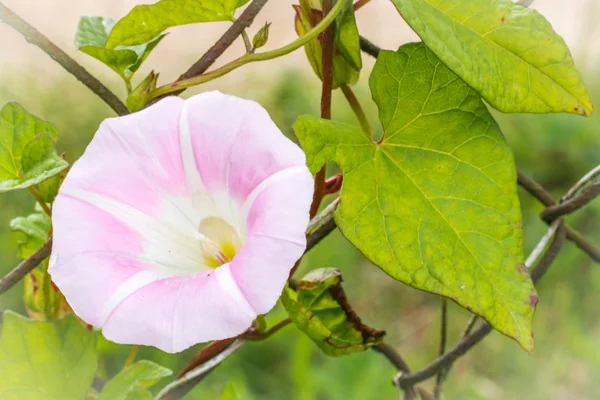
{"x": 509, "y": 54}
{"x": 145, "y": 22}
{"x": 92, "y": 35}
{"x": 40, "y": 360}
{"x": 130, "y": 383}
{"x": 434, "y": 204}
{"x": 318, "y": 306}
{"x": 32, "y": 231}
{"x": 347, "y": 61}
{"x": 27, "y": 155}
{"x": 49, "y": 188}
{"x": 228, "y": 393}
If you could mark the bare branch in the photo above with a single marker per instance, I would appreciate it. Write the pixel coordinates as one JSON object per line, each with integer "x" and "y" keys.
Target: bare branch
{"x": 572, "y": 204}
{"x": 537, "y": 191}
{"x": 587, "y": 178}
{"x": 393, "y": 356}
{"x": 25, "y": 267}
{"x": 34, "y": 37}
{"x": 224, "y": 42}
{"x": 179, "y": 388}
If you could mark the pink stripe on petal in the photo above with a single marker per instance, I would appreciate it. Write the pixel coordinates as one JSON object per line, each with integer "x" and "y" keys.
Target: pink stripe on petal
{"x": 236, "y": 144}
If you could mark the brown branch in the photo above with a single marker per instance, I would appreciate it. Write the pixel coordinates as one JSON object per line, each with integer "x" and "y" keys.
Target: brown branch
{"x": 224, "y": 42}
{"x": 396, "y": 359}
{"x": 446, "y": 360}
{"x": 360, "y": 3}
{"x": 25, "y": 267}
{"x": 326, "y": 93}
{"x": 573, "y": 204}
{"x": 36, "y": 38}
{"x": 206, "y": 353}
{"x": 537, "y": 191}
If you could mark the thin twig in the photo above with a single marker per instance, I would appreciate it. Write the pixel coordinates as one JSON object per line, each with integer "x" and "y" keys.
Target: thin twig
{"x": 131, "y": 357}
{"x": 326, "y": 94}
{"x": 393, "y": 356}
{"x": 224, "y": 42}
{"x": 396, "y": 359}
{"x": 368, "y": 47}
{"x": 205, "y": 354}
{"x": 25, "y": 267}
{"x": 537, "y": 191}
{"x": 179, "y": 388}
{"x": 34, "y": 37}
{"x": 539, "y": 249}
{"x": 252, "y": 335}
{"x": 587, "y": 178}
{"x": 572, "y": 204}
{"x": 445, "y": 361}
{"x": 437, "y": 392}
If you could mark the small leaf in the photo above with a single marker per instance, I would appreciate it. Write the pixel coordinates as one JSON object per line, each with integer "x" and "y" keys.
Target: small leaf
{"x": 92, "y": 35}
{"x": 49, "y": 188}
{"x": 347, "y": 61}
{"x": 434, "y": 203}
{"x": 27, "y": 155}
{"x": 32, "y": 231}
{"x": 41, "y": 360}
{"x": 318, "y": 306}
{"x": 145, "y": 22}
{"x": 130, "y": 383}
{"x": 508, "y": 53}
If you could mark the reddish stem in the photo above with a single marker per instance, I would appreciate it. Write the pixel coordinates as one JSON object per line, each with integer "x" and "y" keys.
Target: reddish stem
{"x": 333, "y": 184}
{"x": 209, "y": 351}
{"x": 327, "y": 89}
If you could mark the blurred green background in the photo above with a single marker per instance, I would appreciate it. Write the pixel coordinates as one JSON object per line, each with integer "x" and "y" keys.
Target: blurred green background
{"x": 556, "y": 150}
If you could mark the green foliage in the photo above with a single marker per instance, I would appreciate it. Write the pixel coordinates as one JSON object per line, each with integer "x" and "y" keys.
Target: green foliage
{"x": 229, "y": 393}
{"x": 49, "y": 188}
{"x": 146, "y": 22}
{"x": 318, "y": 306}
{"x": 92, "y": 36}
{"x": 508, "y": 53}
{"x": 40, "y": 360}
{"x": 131, "y": 382}
{"x": 347, "y": 61}
{"x": 32, "y": 231}
{"x": 27, "y": 155}
{"x": 434, "y": 203}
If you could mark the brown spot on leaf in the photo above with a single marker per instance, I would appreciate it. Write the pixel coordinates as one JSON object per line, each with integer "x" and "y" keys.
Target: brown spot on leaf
{"x": 503, "y": 19}
{"x": 533, "y": 300}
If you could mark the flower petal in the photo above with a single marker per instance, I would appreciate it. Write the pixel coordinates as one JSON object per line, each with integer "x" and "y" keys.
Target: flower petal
{"x": 276, "y": 223}
{"x": 236, "y": 144}
{"x": 176, "y": 313}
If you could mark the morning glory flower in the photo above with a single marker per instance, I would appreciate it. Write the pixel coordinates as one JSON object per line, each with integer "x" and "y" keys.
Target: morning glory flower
{"x": 180, "y": 223}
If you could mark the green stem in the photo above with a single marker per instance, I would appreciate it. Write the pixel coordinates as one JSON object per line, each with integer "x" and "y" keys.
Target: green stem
{"x": 358, "y": 110}
{"x": 247, "y": 42}
{"x": 249, "y": 58}
{"x": 38, "y": 197}
{"x": 131, "y": 356}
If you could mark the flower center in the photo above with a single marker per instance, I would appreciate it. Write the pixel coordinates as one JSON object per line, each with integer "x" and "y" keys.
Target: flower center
{"x": 219, "y": 241}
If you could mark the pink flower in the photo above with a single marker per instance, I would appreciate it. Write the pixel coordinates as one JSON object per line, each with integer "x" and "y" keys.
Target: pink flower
{"x": 180, "y": 223}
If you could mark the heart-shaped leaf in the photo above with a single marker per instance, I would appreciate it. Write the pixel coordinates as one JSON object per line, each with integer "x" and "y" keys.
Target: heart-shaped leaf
{"x": 434, "y": 203}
